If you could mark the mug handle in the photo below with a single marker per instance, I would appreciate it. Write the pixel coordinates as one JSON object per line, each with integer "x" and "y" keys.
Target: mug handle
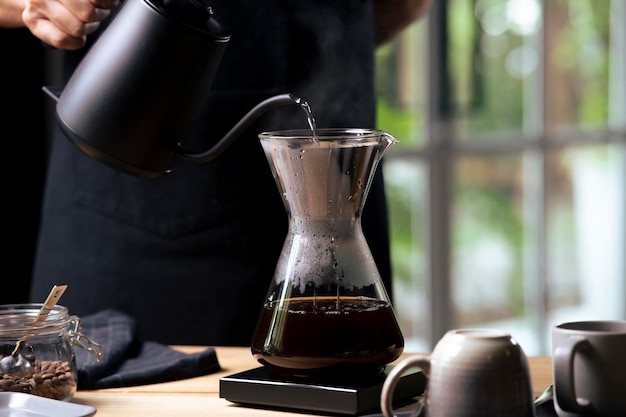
{"x": 386, "y": 396}
{"x": 565, "y": 389}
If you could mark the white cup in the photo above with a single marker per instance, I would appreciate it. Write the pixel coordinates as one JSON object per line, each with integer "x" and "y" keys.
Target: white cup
{"x": 589, "y": 367}
{"x": 471, "y": 372}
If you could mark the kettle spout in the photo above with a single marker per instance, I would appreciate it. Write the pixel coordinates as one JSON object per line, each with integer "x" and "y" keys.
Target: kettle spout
{"x": 241, "y": 126}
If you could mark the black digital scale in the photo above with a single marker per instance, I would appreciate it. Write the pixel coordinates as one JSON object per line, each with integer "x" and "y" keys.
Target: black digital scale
{"x": 259, "y": 387}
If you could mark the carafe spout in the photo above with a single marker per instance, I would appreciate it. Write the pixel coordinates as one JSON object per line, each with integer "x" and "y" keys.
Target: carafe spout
{"x": 386, "y": 141}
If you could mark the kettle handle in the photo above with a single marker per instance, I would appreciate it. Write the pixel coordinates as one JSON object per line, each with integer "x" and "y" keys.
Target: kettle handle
{"x": 53, "y": 92}
{"x": 237, "y": 130}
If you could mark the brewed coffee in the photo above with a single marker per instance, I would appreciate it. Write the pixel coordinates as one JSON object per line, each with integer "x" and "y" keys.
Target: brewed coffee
{"x": 320, "y": 334}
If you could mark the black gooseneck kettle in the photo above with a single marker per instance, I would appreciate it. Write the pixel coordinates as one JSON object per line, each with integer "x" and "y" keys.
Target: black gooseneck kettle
{"x": 133, "y": 98}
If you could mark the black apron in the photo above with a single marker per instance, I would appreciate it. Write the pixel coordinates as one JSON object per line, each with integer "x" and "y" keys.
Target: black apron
{"x": 191, "y": 255}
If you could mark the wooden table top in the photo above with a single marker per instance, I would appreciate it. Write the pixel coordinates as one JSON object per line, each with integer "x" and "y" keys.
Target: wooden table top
{"x": 200, "y": 396}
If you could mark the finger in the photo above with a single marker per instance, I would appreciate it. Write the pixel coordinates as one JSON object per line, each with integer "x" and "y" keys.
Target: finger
{"x": 99, "y": 14}
{"x": 54, "y": 24}
{"x": 86, "y": 11}
{"x": 74, "y": 22}
{"x": 91, "y": 27}
{"x": 52, "y": 36}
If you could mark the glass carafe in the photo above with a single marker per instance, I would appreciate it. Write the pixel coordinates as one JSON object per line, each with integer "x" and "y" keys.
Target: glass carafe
{"x": 326, "y": 311}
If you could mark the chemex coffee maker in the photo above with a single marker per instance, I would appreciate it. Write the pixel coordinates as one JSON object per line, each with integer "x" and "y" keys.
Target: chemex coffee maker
{"x": 327, "y": 320}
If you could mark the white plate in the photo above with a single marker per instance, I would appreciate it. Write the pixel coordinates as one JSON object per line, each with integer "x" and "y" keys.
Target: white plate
{"x": 18, "y": 404}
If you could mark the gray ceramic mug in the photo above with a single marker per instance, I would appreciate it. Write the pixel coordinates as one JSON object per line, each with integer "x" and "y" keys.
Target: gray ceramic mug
{"x": 589, "y": 367}
{"x": 470, "y": 373}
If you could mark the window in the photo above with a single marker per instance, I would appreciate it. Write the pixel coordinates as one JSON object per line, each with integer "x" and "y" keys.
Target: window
{"x": 507, "y": 191}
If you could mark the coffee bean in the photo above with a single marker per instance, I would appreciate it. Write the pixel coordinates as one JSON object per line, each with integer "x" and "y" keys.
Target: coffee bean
{"x": 50, "y": 379}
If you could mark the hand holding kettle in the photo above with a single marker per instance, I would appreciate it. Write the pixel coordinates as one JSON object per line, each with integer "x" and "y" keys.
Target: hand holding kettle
{"x": 65, "y": 24}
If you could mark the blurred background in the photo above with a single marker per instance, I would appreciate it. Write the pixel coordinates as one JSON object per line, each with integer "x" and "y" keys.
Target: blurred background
{"x": 507, "y": 191}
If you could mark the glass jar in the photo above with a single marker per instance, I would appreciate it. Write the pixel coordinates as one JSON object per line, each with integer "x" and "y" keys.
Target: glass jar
{"x": 47, "y": 363}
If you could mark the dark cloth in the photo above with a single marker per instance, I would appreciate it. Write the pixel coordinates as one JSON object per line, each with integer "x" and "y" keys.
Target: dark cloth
{"x": 127, "y": 361}
{"x": 191, "y": 255}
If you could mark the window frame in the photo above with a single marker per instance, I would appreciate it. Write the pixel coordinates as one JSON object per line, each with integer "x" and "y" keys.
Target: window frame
{"x": 442, "y": 147}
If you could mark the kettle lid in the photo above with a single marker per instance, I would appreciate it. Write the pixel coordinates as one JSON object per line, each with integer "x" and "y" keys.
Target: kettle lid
{"x": 196, "y": 14}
